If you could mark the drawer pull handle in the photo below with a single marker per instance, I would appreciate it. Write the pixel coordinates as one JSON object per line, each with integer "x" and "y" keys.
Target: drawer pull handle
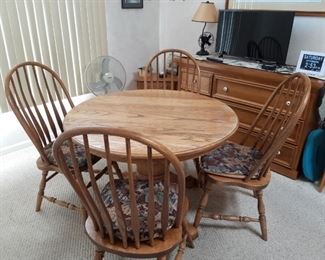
{"x": 225, "y": 89}
{"x": 279, "y": 152}
{"x": 288, "y": 103}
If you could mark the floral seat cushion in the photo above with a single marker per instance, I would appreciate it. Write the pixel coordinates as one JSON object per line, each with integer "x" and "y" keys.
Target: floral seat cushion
{"x": 232, "y": 160}
{"x": 79, "y": 151}
{"x": 142, "y": 191}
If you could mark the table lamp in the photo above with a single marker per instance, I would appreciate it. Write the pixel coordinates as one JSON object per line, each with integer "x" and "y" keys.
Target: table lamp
{"x": 206, "y": 13}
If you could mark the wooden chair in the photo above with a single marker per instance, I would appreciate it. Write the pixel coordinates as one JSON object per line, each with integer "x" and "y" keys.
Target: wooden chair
{"x": 322, "y": 183}
{"x": 40, "y": 100}
{"x": 165, "y": 71}
{"x": 252, "y": 50}
{"x": 270, "y": 49}
{"x": 247, "y": 164}
{"x": 129, "y": 217}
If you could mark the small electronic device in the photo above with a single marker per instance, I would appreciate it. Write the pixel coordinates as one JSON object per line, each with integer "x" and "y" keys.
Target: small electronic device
{"x": 215, "y": 59}
{"x": 312, "y": 63}
{"x": 268, "y": 65}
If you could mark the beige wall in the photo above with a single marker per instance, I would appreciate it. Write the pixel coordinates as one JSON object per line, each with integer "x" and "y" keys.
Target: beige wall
{"x": 308, "y": 33}
{"x": 176, "y": 26}
{"x": 133, "y": 34}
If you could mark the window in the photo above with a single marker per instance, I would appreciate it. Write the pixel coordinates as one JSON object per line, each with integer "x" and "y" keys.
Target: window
{"x": 65, "y": 35}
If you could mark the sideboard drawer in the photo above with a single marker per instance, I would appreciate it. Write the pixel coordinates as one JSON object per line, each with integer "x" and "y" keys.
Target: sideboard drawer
{"x": 247, "y": 115}
{"x": 286, "y": 157}
{"x": 206, "y": 81}
{"x": 248, "y": 92}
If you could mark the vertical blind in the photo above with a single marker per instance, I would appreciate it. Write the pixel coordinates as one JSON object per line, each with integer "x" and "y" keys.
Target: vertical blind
{"x": 63, "y": 34}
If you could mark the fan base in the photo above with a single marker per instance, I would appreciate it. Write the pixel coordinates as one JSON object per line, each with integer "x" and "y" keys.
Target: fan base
{"x": 202, "y": 53}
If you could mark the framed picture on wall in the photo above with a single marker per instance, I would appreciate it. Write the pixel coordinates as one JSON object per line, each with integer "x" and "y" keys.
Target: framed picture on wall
{"x": 127, "y": 4}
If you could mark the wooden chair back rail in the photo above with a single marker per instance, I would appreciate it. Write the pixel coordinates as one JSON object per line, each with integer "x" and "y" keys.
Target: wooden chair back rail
{"x": 91, "y": 198}
{"x": 30, "y": 87}
{"x": 154, "y": 68}
{"x": 267, "y": 136}
{"x": 282, "y": 110}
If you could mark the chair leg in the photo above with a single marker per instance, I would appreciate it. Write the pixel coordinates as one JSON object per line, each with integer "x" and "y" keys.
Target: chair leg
{"x": 117, "y": 170}
{"x": 99, "y": 254}
{"x": 322, "y": 183}
{"x": 203, "y": 203}
{"x": 189, "y": 239}
{"x": 197, "y": 166}
{"x": 261, "y": 211}
{"x": 41, "y": 191}
{"x": 84, "y": 213}
{"x": 181, "y": 248}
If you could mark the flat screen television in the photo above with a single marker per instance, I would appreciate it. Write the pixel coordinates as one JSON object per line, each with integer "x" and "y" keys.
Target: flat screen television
{"x": 255, "y": 34}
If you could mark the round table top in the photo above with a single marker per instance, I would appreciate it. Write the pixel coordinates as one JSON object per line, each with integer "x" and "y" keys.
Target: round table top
{"x": 189, "y": 124}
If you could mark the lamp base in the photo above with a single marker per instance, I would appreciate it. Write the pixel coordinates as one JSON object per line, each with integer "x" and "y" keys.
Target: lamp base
{"x": 202, "y": 52}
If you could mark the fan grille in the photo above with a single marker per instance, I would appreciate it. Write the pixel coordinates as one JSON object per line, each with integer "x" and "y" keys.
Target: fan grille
{"x": 105, "y": 75}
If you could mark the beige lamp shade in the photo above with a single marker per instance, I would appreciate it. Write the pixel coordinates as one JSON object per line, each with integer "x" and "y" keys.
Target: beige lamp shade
{"x": 206, "y": 13}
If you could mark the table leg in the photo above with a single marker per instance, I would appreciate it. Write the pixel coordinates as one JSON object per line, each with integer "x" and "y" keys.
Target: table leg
{"x": 192, "y": 232}
{"x": 158, "y": 169}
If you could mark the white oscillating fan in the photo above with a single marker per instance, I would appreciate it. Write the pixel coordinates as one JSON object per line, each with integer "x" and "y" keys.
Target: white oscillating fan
{"x": 104, "y": 75}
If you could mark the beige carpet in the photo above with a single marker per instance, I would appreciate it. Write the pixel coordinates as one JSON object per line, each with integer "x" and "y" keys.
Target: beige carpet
{"x": 295, "y": 215}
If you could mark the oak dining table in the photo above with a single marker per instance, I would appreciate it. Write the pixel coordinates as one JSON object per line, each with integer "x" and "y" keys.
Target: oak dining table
{"x": 189, "y": 124}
